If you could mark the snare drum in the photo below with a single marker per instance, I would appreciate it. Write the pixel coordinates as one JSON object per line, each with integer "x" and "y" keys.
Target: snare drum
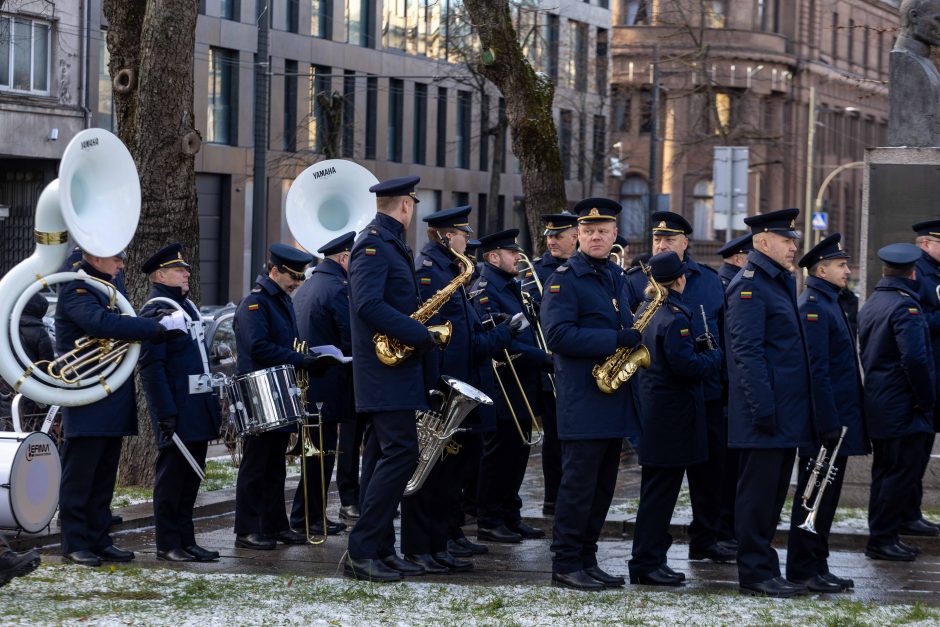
{"x": 265, "y": 400}
{"x": 30, "y": 471}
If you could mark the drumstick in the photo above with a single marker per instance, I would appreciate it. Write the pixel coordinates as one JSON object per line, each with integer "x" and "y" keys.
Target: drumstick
{"x": 189, "y": 458}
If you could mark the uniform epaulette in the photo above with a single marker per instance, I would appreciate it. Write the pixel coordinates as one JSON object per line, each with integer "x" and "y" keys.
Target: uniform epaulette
{"x": 562, "y": 268}
{"x": 256, "y": 290}
{"x": 747, "y": 274}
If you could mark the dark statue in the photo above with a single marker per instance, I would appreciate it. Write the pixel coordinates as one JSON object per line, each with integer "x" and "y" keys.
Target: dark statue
{"x": 914, "y": 118}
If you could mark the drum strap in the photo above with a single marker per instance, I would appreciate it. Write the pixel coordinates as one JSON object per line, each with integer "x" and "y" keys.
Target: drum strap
{"x": 197, "y": 328}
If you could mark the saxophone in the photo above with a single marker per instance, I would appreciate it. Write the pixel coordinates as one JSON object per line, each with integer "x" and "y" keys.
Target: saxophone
{"x": 392, "y": 352}
{"x": 623, "y": 364}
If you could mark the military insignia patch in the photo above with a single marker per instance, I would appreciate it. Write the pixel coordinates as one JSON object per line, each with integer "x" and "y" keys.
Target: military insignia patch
{"x": 747, "y": 295}
{"x": 914, "y": 311}
{"x": 425, "y": 280}
{"x": 428, "y": 263}
{"x": 748, "y": 274}
{"x": 554, "y": 289}
{"x": 81, "y": 290}
{"x": 484, "y": 300}
{"x": 812, "y": 317}
{"x": 370, "y": 252}
{"x": 684, "y": 332}
{"x": 253, "y": 307}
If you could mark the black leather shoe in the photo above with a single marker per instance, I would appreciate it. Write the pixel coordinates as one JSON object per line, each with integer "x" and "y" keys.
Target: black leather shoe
{"x": 716, "y": 553}
{"x": 201, "y": 554}
{"x": 332, "y": 527}
{"x": 842, "y": 582}
{"x": 457, "y": 550}
{"x": 289, "y": 536}
{"x": 890, "y": 552}
{"x": 731, "y": 545}
{"x": 473, "y": 547}
{"x": 658, "y": 577}
{"x": 255, "y": 541}
{"x": 444, "y": 558}
{"x": 776, "y": 587}
{"x": 609, "y": 581}
{"x": 527, "y": 531}
{"x": 498, "y": 534}
{"x": 407, "y": 569}
{"x": 821, "y": 584}
{"x": 115, "y": 520}
{"x": 14, "y": 564}
{"x": 83, "y": 558}
{"x": 349, "y": 513}
{"x": 579, "y": 580}
{"x": 910, "y": 548}
{"x": 369, "y": 570}
{"x": 114, "y": 554}
{"x": 175, "y": 555}
{"x": 918, "y": 528}
{"x": 548, "y": 508}
{"x": 427, "y": 563}
{"x": 666, "y": 568}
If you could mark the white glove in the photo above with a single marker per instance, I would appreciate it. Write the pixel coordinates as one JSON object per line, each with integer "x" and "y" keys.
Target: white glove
{"x": 174, "y": 320}
{"x": 519, "y": 322}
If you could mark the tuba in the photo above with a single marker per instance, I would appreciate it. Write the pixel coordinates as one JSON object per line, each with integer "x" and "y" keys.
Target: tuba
{"x": 96, "y": 201}
{"x": 436, "y": 428}
{"x": 623, "y": 364}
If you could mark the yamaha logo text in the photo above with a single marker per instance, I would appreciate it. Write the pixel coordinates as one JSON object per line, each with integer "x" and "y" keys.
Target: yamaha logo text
{"x": 322, "y": 173}
{"x": 89, "y": 143}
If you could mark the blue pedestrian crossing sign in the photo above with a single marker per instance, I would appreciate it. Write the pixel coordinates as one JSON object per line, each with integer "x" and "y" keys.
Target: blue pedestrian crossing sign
{"x": 820, "y": 220}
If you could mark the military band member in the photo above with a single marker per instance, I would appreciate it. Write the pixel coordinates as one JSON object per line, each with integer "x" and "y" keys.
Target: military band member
{"x": 93, "y": 433}
{"x": 900, "y": 395}
{"x": 383, "y": 293}
{"x": 175, "y": 407}
{"x": 322, "y": 308}
{"x": 265, "y": 332}
{"x": 770, "y": 407}
{"x": 703, "y": 290}
{"x": 734, "y": 253}
{"x": 928, "y": 279}
{"x": 505, "y": 455}
{"x": 585, "y": 322}
{"x": 561, "y": 240}
{"x": 838, "y": 399}
{"x": 674, "y": 437}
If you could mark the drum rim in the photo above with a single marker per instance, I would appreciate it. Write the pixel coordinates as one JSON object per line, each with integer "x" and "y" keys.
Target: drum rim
{"x": 8, "y": 486}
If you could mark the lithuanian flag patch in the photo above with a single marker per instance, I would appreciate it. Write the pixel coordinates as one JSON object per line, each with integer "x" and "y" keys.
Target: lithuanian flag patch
{"x": 425, "y": 280}
{"x": 253, "y": 307}
{"x": 484, "y": 300}
{"x": 554, "y": 289}
{"x": 812, "y": 317}
{"x": 914, "y": 311}
{"x": 684, "y": 332}
{"x": 747, "y": 295}
{"x": 370, "y": 251}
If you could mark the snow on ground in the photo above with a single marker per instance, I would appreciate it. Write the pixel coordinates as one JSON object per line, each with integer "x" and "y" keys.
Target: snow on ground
{"x": 71, "y": 595}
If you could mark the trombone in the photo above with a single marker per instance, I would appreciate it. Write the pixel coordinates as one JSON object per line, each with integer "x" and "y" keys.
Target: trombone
{"x": 529, "y": 304}
{"x": 536, "y": 438}
{"x": 530, "y": 268}
{"x": 618, "y": 255}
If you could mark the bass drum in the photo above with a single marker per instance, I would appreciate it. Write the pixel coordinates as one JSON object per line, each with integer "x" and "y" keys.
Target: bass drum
{"x": 30, "y": 472}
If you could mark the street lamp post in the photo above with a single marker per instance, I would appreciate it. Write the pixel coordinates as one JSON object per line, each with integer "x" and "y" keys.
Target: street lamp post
{"x": 817, "y": 206}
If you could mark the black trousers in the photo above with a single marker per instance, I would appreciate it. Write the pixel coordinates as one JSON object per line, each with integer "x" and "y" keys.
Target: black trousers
{"x": 426, "y": 514}
{"x": 551, "y": 448}
{"x": 175, "y": 487}
{"x": 89, "y": 470}
{"x": 502, "y": 469}
{"x": 315, "y": 488}
{"x": 659, "y": 491}
{"x": 704, "y": 481}
{"x": 763, "y": 480}
{"x": 807, "y": 553}
{"x": 912, "y": 510}
{"x": 588, "y": 479}
{"x": 729, "y": 488}
{"x": 895, "y": 473}
{"x": 259, "y": 490}
{"x": 388, "y": 461}
{"x": 465, "y": 479}
{"x": 347, "y": 465}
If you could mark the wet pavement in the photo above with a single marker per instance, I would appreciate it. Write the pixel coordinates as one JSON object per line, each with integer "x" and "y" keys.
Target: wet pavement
{"x": 525, "y": 563}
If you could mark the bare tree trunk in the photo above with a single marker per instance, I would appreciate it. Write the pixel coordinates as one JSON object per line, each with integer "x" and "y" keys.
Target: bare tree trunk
{"x": 151, "y": 46}
{"x": 529, "y": 99}
{"x": 498, "y": 134}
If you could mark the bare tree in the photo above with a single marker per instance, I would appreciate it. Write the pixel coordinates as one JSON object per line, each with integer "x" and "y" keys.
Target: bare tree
{"x": 151, "y": 46}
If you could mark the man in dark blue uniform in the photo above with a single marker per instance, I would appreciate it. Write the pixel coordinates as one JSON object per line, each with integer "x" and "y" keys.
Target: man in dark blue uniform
{"x": 770, "y": 408}
{"x": 561, "y": 240}
{"x": 900, "y": 396}
{"x": 674, "y": 437}
{"x": 429, "y": 535}
{"x": 265, "y": 332}
{"x": 506, "y": 450}
{"x": 383, "y": 293}
{"x": 838, "y": 398}
{"x": 928, "y": 280}
{"x": 703, "y": 290}
{"x": 586, "y": 321}
{"x": 180, "y": 401}
{"x": 93, "y": 433}
{"x": 322, "y": 308}
{"x": 734, "y": 253}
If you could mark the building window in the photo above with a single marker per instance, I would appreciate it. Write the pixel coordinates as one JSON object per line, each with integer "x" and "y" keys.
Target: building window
{"x": 723, "y": 113}
{"x": 464, "y": 104}
{"x": 850, "y": 53}
{"x": 290, "y": 105}
{"x": 24, "y": 54}
{"x": 502, "y": 120}
{"x": 349, "y": 113}
{"x": 577, "y": 55}
{"x": 634, "y": 198}
{"x": 441, "y": 144}
{"x": 222, "y": 120}
{"x": 319, "y": 118}
{"x": 633, "y": 13}
{"x": 420, "y": 126}
{"x": 484, "y": 132}
{"x": 715, "y": 14}
{"x": 293, "y": 16}
{"x": 866, "y": 42}
{"x": 372, "y": 105}
{"x": 414, "y": 26}
{"x": 396, "y": 109}
{"x": 105, "y": 93}
{"x": 703, "y": 210}
{"x": 582, "y": 146}
{"x": 881, "y": 53}
{"x": 564, "y": 141}
{"x": 599, "y": 151}
{"x": 321, "y": 19}
{"x": 552, "y": 38}
{"x": 620, "y": 108}
{"x": 646, "y": 111}
{"x": 834, "y": 44}
{"x": 360, "y": 23}
{"x": 600, "y": 62}
{"x": 460, "y": 199}
{"x": 230, "y": 10}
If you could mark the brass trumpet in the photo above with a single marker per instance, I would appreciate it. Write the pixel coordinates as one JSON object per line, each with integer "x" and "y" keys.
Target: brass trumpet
{"x": 820, "y": 466}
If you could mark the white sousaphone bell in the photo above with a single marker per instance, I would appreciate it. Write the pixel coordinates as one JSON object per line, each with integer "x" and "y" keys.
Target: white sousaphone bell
{"x": 95, "y": 202}
{"x": 328, "y": 199}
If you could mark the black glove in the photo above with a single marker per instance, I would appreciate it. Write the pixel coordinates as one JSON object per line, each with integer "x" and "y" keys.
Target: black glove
{"x": 629, "y": 338}
{"x": 766, "y": 425}
{"x": 548, "y": 365}
{"x": 313, "y": 365}
{"x": 167, "y": 426}
{"x": 704, "y": 342}
{"x": 501, "y": 318}
{"x": 169, "y": 334}
{"x": 830, "y": 438}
